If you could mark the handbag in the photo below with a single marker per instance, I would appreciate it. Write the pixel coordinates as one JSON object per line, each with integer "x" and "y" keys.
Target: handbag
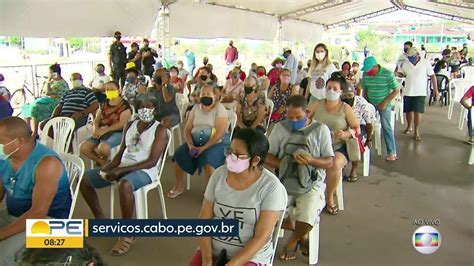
{"x": 354, "y": 146}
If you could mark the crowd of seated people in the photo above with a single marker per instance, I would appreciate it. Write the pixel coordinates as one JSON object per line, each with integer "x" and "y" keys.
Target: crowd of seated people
{"x": 322, "y": 110}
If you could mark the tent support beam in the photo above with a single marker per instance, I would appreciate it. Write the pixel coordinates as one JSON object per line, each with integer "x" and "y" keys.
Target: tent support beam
{"x": 313, "y": 8}
{"x": 439, "y": 14}
{"x": 462, "y": 4}
{"x": 363, "y": 17}
{"x": 163, "y": 30}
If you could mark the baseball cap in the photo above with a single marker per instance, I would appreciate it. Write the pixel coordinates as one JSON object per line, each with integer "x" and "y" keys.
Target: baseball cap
{"x": 130, "y": 65}
{"x": 369, "y": 63}
{"x": 286, "y": 49}
{"x": 412, "y": 51}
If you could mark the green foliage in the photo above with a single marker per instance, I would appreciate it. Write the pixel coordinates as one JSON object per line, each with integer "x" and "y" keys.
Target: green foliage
{"x": 368, "y": 37}
{"x": 15, "y": 41}
{"x": 390, "y": 52}
{"x": 76, "y": 43}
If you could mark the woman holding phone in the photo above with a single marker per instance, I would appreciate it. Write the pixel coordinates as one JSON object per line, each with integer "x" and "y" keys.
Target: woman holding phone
{"x": 42, "y": 108}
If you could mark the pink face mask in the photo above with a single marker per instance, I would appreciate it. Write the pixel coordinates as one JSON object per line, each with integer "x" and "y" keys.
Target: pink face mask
{"x": 237, "y": 166}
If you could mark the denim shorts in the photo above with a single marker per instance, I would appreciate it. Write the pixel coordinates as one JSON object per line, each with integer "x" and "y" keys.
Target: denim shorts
{"x": 213, "y": 156}
{"x": 137, "y": 179}
{"x": 112, "y": 140}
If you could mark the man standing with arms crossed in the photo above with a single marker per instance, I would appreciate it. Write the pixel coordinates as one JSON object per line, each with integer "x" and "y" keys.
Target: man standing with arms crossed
{"x": 380, "y": 88}
{"x": 231, "y": 55}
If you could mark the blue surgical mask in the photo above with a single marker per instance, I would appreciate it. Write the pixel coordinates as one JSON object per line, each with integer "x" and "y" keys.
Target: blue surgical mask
{"x": 131, "y": 79}
{"x": 4, "y": 156}
{"x": 413, "y": 59}
{"x": 299, "y": 124}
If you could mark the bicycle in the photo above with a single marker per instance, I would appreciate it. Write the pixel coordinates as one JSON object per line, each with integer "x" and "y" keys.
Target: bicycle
{"x": 20, "y": 96}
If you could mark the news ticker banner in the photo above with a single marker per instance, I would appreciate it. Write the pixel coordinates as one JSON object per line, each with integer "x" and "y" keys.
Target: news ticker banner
{"x": 70, "y": 233}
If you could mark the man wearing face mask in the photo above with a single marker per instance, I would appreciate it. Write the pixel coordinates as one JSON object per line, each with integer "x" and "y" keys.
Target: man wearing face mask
{"x": 380, "y": 87}
{"x": 166, "y": 111}
{"x": 182, "y": 73}
{"x": 117, "y": 58}
{"x": 34, "y": 182}
{"x": 291, "y": 63}
{"x": 97, "y": 85}
{"x": 135, "y": 56}
{"x": 136, "y": 165}
{"x": 148, "y": 58}
{"x": 403, "y": 57}
{"x": 77, "y": 103}
{"x": 307, "y": 204}
{"x": 416, "y": 70}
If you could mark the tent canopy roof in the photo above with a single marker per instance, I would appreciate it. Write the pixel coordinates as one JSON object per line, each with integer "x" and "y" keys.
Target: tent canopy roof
{"x": 300, "y": 19}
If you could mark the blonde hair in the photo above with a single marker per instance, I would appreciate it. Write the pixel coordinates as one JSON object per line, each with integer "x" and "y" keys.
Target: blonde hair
{"x": 315, "y": 62}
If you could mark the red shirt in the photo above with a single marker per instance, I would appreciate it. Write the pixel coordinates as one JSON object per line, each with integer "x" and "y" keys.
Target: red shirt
{"x": 470, "y": 94}
{"x": 231, "y": 54}
{"x": 274, "y": 76}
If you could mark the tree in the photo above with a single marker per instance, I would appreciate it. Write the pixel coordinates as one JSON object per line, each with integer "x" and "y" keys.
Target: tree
{"x": 368, "y": 37}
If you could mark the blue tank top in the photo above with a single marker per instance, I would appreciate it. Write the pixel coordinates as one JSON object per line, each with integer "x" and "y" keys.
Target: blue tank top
{"x": 20, "y": 194}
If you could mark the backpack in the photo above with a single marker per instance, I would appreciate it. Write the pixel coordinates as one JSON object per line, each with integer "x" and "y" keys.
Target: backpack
{"x": 297, "y": 179}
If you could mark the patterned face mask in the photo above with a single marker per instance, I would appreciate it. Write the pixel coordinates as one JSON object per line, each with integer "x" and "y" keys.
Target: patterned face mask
{"x": 146, "y": 114}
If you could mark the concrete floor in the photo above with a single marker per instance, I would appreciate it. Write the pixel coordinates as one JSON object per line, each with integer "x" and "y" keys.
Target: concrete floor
{"x": 431, "y": 180}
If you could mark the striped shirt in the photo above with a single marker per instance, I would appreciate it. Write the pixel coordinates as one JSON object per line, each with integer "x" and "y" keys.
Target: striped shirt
{"x": 380, "y": 85}
{"x": 76, "y": 100}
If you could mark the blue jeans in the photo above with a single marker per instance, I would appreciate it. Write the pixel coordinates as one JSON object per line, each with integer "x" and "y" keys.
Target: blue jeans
{"x": 387, "y": 130}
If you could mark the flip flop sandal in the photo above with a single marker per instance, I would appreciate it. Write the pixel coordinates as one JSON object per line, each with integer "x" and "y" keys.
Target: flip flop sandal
{"x": 122, "y": 246}
{"x": 289, "y": 254}
{"x": 333, "y": 210}
{"x": 304, "y": 247}
{"x": 172, "y": 194}
{"x": 407, "y": 131}
{"x": 391, "y": 158}
{"x": 417, "y": 138}
{"x": 351, "y": 179}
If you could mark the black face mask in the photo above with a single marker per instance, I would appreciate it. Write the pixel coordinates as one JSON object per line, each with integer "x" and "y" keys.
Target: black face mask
{"x": 405, "y": 50}
{"x": 248, "y": 89}
{"x": 207, "y": 101}
{"x": 349, "y": 101}
{"x": 158, "y": 80}
{"x": 118, "y": 38}
{"x": 203, "y": 77}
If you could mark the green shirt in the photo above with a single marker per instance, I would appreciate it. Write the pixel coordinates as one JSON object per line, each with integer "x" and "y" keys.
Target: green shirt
{"x": 380, "y": 85}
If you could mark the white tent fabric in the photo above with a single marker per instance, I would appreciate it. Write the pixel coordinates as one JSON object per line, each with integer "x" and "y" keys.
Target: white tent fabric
{"x": 195, "y": 20}
{"x": 73, "y": 18}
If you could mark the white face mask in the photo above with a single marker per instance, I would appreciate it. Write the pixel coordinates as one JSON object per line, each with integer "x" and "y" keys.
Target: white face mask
{"x": 320, "y": 56}
{"x": 332, "y": 95}
{"x": 4, "y": 156}
{"x": 76, "y": 83}
{"x": 146, "y": 114}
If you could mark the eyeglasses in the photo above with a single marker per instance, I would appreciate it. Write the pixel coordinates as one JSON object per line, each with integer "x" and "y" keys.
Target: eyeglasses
{"x": 234, "y": 156}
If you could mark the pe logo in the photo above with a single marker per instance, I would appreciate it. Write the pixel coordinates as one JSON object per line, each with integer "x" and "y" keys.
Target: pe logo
{"x": 54, "y": 233}
{"x": 426, "y": 240}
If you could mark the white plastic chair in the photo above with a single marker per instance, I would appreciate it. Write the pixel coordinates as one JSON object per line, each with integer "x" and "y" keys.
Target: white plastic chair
{"x": 75, "y": 170}
{"x": 276, "y": 232}
{"x": 340, "y": 195}
{"x": 366, "y": 162}
{"x": 269, "y": 105}
{"x": 63, "y": 131}
{"x": 378, "y": 137}
{"x": 233, "y": 123}
{"x": 141, "y": 199}
{"x": 459, "y": 89}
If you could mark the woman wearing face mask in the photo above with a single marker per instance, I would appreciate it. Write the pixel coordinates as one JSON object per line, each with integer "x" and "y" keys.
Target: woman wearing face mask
{"x": 233, "y": 88}
{"x": 206, "y": 137}
{"x": 279, "y": 94}
{"x": 42, "y": 108}
{"x": 133, "y": 86}
{"x": 251, "y": 107}
{"x": 340, "y": 118}
{"x": 320, "y": 71}
{"x": 176, "y": 81}
{"x": 244, "y": 185}
{"x": 274, "y": 73}
{"x": 167, "y": 112}
{"x": 136, "y": 165}
{"x": 97, "y": 85}
{"x": 262, "y": 80}
{"x": 109, "y": 121}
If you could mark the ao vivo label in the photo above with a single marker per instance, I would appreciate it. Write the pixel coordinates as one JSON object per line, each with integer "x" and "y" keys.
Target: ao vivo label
{"x": 57, "y": 233}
